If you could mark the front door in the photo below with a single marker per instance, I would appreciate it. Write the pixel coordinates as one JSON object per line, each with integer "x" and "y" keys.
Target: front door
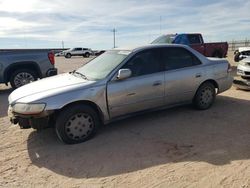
{"x": 143, "y": 90}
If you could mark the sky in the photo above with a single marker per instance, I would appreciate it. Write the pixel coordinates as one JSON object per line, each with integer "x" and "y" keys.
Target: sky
{"x": 89, "y": 23}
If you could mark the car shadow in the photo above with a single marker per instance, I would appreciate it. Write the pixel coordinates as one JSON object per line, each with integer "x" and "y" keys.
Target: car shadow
{"x": 218, "y": 136}
{"x": 4, "y": 94}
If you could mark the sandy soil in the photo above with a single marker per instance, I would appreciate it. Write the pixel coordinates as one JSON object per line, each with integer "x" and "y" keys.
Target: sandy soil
{"x": 178, "y": 147}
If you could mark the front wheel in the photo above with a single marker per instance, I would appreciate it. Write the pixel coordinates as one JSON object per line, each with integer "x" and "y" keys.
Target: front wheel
{"x": 76, "y": 124}
{"x": 237, "y": 57}
{"x": 205, "y": 96}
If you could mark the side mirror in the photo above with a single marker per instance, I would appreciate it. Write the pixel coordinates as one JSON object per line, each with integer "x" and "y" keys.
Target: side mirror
{"x": 123, "y": 74}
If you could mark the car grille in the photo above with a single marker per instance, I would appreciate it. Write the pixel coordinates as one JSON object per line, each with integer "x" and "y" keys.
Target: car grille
{"x": 247, "y": 73}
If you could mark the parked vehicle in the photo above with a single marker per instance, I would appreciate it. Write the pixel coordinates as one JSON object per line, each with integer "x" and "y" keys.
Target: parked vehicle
{"x": 243, "y": 70}
{"x": 98, "y": 52}
{"x": 241, "y": 53}
{"x": 59, "y": 54}
{"x": 116, "y": 84}
{"x": 20, "y": 67}
{"x": 85, "y": 52}
{"x": 195, "y": 41}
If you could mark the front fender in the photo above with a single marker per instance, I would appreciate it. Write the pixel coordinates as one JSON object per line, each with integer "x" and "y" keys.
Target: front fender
{"x": 96, "y": 95}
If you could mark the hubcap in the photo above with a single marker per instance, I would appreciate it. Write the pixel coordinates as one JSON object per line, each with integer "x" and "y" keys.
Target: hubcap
{"x": 206, "y": 96}
{"x": 79, "y": 126}
{"x": 23, "y": 78}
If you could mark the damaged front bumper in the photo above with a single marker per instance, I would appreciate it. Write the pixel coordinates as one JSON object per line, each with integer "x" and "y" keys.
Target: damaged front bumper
{"x": 42, "y": 118}
{"x": 243, "y": 84}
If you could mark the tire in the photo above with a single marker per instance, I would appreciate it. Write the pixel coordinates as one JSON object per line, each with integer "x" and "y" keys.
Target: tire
{"x": 205, "y": 96}
{"x": 237, "y": 57}
{"x": 87, "y": 54}
{"x": 68, "y": 55}
{"x": 22, "y": 77}
{"x": 76, "y": 124}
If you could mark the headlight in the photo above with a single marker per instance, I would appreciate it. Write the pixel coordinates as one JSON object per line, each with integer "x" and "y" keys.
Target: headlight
{"x": 23, "y": 108}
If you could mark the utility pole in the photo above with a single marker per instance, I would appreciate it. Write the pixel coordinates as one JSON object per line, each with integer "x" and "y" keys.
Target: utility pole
{"x": 62, "y": 44}
{"x": 114, "y": 31}
{"x": 160, "y": 25}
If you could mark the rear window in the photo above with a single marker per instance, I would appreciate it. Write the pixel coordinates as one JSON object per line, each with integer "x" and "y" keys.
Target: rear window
{"x": 176, "y": 58}
{"x": 194, "y": 39}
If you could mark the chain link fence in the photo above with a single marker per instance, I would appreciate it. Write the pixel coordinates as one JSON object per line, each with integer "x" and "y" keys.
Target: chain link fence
{"x": 235, "y": 44}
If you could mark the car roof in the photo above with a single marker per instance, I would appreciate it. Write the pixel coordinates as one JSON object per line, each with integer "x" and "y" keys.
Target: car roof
{"x": 148, "y": 46}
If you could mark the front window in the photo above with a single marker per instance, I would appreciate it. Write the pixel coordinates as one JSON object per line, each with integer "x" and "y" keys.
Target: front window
{"x": 101, "y": 66}
{"x": 143, "y": 63}
{"x": 194, "y": 39}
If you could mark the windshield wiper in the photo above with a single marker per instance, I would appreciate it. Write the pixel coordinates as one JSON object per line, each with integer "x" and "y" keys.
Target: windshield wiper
{"x": 80, "y": 74}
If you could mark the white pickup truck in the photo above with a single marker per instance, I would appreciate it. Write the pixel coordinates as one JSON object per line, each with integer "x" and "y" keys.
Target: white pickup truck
{"x": 85, "y": 52}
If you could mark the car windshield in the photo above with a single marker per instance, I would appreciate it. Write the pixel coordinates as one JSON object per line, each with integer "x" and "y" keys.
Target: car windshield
{"x": 164, "y": 39}
{"x": 102, "y": 65}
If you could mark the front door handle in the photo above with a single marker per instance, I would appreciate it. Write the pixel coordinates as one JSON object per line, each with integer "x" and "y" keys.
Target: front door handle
{"x": 198, "y": 75}
{"x": 157, "y": 83}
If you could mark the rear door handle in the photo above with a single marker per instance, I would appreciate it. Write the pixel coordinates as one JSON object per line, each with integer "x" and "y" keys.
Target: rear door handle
{"x": 157, "y": 83}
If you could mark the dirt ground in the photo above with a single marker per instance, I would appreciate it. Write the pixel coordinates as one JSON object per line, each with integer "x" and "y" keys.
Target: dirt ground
{"x": 179, "y": 147}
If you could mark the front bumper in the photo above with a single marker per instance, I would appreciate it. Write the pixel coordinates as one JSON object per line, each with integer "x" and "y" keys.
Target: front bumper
{"x": 14, "y": 117}
{"x": 243, "y": 70}
{"x": 242, "y": 83}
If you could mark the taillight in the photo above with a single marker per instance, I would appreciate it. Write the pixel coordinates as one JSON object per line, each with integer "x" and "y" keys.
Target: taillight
{"x": 51, "y": 57}
{"x": 229, "y": 69}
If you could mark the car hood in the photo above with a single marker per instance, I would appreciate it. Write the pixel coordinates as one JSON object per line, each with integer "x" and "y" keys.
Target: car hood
{"x": 242, "y": 49}
{"x": 48, "y": 87}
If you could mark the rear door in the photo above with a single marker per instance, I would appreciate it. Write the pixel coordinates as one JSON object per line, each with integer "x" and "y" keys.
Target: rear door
{"x": 78, "y": 51}
{"x": 143, "y": 90}
{"x": 183, "y": 74}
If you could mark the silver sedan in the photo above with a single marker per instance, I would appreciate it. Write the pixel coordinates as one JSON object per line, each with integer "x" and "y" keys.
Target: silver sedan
{"x": 117, "y": 84}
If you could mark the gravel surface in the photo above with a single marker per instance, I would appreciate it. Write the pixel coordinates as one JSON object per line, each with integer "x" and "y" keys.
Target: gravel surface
{"x": 178, "y": 147}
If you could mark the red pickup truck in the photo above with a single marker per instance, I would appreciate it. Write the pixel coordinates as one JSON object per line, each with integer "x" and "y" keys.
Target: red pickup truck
{"x": 195, "y": 41}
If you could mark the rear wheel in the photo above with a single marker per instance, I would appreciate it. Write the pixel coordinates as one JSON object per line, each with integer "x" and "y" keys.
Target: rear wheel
{"x": 22, "y": 77}
{"x": 76, "y": 124}
{"x": 87, "y": 54}
{"x": 68, "y": 55}
{"x": 205, "y": 96}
